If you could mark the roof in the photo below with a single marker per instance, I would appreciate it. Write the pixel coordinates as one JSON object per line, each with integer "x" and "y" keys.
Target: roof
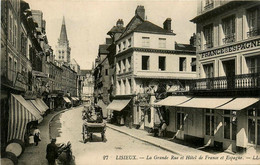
{"x": 184, "y": 47}
{"x": 103, "y": 49}
{"x": 137, "y": 24}
{"x": 116, "y": 29}
{"x": 147, "y": 26}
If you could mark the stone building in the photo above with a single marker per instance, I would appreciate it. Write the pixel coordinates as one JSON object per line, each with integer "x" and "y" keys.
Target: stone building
{"x": 223, "y": 108}
{"x": 149, "y": 63}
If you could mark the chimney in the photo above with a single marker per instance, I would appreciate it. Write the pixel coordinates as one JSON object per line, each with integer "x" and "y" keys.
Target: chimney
{"x": 167, "y": 25}
{"x": 108, "y": 40}
{"x": 140, "y": 11}
{"x": 193, "y": 40}
{"x": 120, "y": 23}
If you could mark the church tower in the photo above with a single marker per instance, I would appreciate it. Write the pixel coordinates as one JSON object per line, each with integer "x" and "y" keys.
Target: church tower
{"x": 63, "y": 49}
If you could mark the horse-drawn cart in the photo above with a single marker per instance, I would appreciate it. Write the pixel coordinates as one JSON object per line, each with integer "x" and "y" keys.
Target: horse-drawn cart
{"x": 89, "y": 128}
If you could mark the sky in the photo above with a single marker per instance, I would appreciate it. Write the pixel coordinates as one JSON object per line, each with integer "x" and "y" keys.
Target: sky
{"x": 88, "y": 21}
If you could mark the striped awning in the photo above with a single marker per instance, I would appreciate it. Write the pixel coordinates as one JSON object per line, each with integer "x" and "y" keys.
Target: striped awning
{"x": 41, "y": 103}
{"x": 20, "y": 113}
{"x": 38, "y": 107}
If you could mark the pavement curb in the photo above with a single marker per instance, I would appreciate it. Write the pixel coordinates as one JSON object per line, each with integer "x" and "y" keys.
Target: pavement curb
{"x": 144, "y": 140}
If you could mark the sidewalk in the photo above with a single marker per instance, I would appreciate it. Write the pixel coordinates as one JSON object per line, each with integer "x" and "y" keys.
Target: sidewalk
{"x": 35, "y": 155}
{"x": 165, "y": 144}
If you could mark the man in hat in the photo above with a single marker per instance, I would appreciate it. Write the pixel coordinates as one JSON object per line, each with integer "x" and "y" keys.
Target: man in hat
{"x": 52, "y": 152}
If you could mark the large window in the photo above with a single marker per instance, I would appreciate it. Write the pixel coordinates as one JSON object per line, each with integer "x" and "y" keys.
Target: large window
{"x": 162, "y": 63}
{"x": 129, "y": 63}
{"x": 254, "y": 126}
{"x": 253, "y": 64}
{"x": 229, "y": 29}
{"x": 230, "y": 125}
{"x": 209, "y": 71}
{"x": 162, "y": 42}
{"x": 182, "y": 64}
{"x": 253, "y": 21}
{"x": 145, "y": 62}
{"x": 208, "y": 36}
{"x": 209, "y": 122}
{"x": 145, "y": 41}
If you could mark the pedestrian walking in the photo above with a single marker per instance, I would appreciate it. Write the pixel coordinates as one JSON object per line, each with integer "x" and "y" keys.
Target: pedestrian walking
{"x": 52, "y": 152}
{"x": 36, "y": 134}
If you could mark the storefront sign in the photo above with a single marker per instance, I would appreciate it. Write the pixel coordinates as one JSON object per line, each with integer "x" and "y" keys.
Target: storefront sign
{"x": 232, "y": 48}
{"x": 39, "y": 74}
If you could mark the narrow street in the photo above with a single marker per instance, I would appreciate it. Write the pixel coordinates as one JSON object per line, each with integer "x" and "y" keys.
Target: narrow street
{"x": 67, "y": 127}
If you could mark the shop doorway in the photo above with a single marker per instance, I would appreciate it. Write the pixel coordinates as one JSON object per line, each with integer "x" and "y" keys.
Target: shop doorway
{"x": 180, "y": 125}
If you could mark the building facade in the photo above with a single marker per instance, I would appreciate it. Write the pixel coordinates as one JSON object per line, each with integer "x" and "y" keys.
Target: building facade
{"x": 149, "y": 63}
{"x": 223, "y": 108}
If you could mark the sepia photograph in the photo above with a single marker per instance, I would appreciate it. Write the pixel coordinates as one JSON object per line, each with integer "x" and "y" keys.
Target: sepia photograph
{"x": 130, "y": 82}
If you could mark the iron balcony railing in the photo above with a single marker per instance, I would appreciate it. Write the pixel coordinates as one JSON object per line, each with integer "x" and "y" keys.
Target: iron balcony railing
{"x": 208, "y": 6}
{"x": 229, "y": 39}
{"x": 208, "y": 45}
{"x": 243, "y": 81}
{"x": 253, "y": 32}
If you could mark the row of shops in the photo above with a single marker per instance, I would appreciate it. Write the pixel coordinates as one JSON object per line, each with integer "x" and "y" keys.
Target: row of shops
{"x": 22, "y": 112}
{"x": 225, "y": 123}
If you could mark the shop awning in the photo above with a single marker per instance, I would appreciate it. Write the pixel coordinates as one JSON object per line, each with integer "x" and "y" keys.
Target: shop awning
{"x": 20, "y": 113}
{"x": 118, "y": 105}
{"x": 73, "y": 98}
{"x": 43, "y": 103}
{"x": 67, "y": 100}
{"x": 205, "y": 102}
{"x": 172, "y": 101}
{"x": 239, "y": 103}
{"x": 36, "y": 106}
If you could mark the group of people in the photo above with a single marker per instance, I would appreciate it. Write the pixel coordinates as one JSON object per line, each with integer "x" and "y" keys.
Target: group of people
{"x": 92, "y": 115}
{"x": 35, "y": 137}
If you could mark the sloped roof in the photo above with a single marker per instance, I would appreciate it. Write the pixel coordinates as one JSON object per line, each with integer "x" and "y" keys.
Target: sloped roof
{"x": 147, "y": 26}
{"x": 116, "y": 29}
{"x": 184, "y": 47}
{"x": 103, "y": 49}
{"x": 132, "y": 25}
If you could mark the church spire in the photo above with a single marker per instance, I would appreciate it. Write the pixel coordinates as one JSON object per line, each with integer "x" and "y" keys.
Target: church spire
{"x": 63, "y": 33}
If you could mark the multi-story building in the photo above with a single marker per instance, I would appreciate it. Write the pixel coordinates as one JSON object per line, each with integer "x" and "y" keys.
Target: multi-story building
{"x": 101, "y": 74}
{"x": 88, "y": 85}
{"x": 223, "y": 110}
{"x": 148, "y": 61}
{"x": 63, "y": 49}
{"x": 69, "y": 79}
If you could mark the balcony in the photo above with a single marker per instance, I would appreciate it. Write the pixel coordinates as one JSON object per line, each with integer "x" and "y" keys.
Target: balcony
{"x": 244, "y": 81}
{"x": 208, "y": 45}
{"x": 208, "y": 6}
{"x": 229, "y": 39}
{"x": 253, "y": 32}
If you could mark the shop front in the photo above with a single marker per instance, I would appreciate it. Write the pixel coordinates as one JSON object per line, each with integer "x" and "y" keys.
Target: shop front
{"x": 122, "y": 112}
{"x": 223, "y": 123}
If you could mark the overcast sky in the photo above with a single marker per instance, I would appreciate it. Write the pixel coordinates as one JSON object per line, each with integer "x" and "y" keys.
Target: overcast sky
{"x": 88, "y": 21}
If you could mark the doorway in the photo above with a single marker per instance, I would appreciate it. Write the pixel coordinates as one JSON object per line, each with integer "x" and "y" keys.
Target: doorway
{"x": 229, "y": 69}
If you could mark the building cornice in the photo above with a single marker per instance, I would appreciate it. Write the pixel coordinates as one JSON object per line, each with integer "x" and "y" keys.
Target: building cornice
{"x": 138, "y": 49}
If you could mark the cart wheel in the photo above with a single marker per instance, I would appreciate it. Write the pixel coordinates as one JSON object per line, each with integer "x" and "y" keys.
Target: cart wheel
{"x": 103, "y": 136}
